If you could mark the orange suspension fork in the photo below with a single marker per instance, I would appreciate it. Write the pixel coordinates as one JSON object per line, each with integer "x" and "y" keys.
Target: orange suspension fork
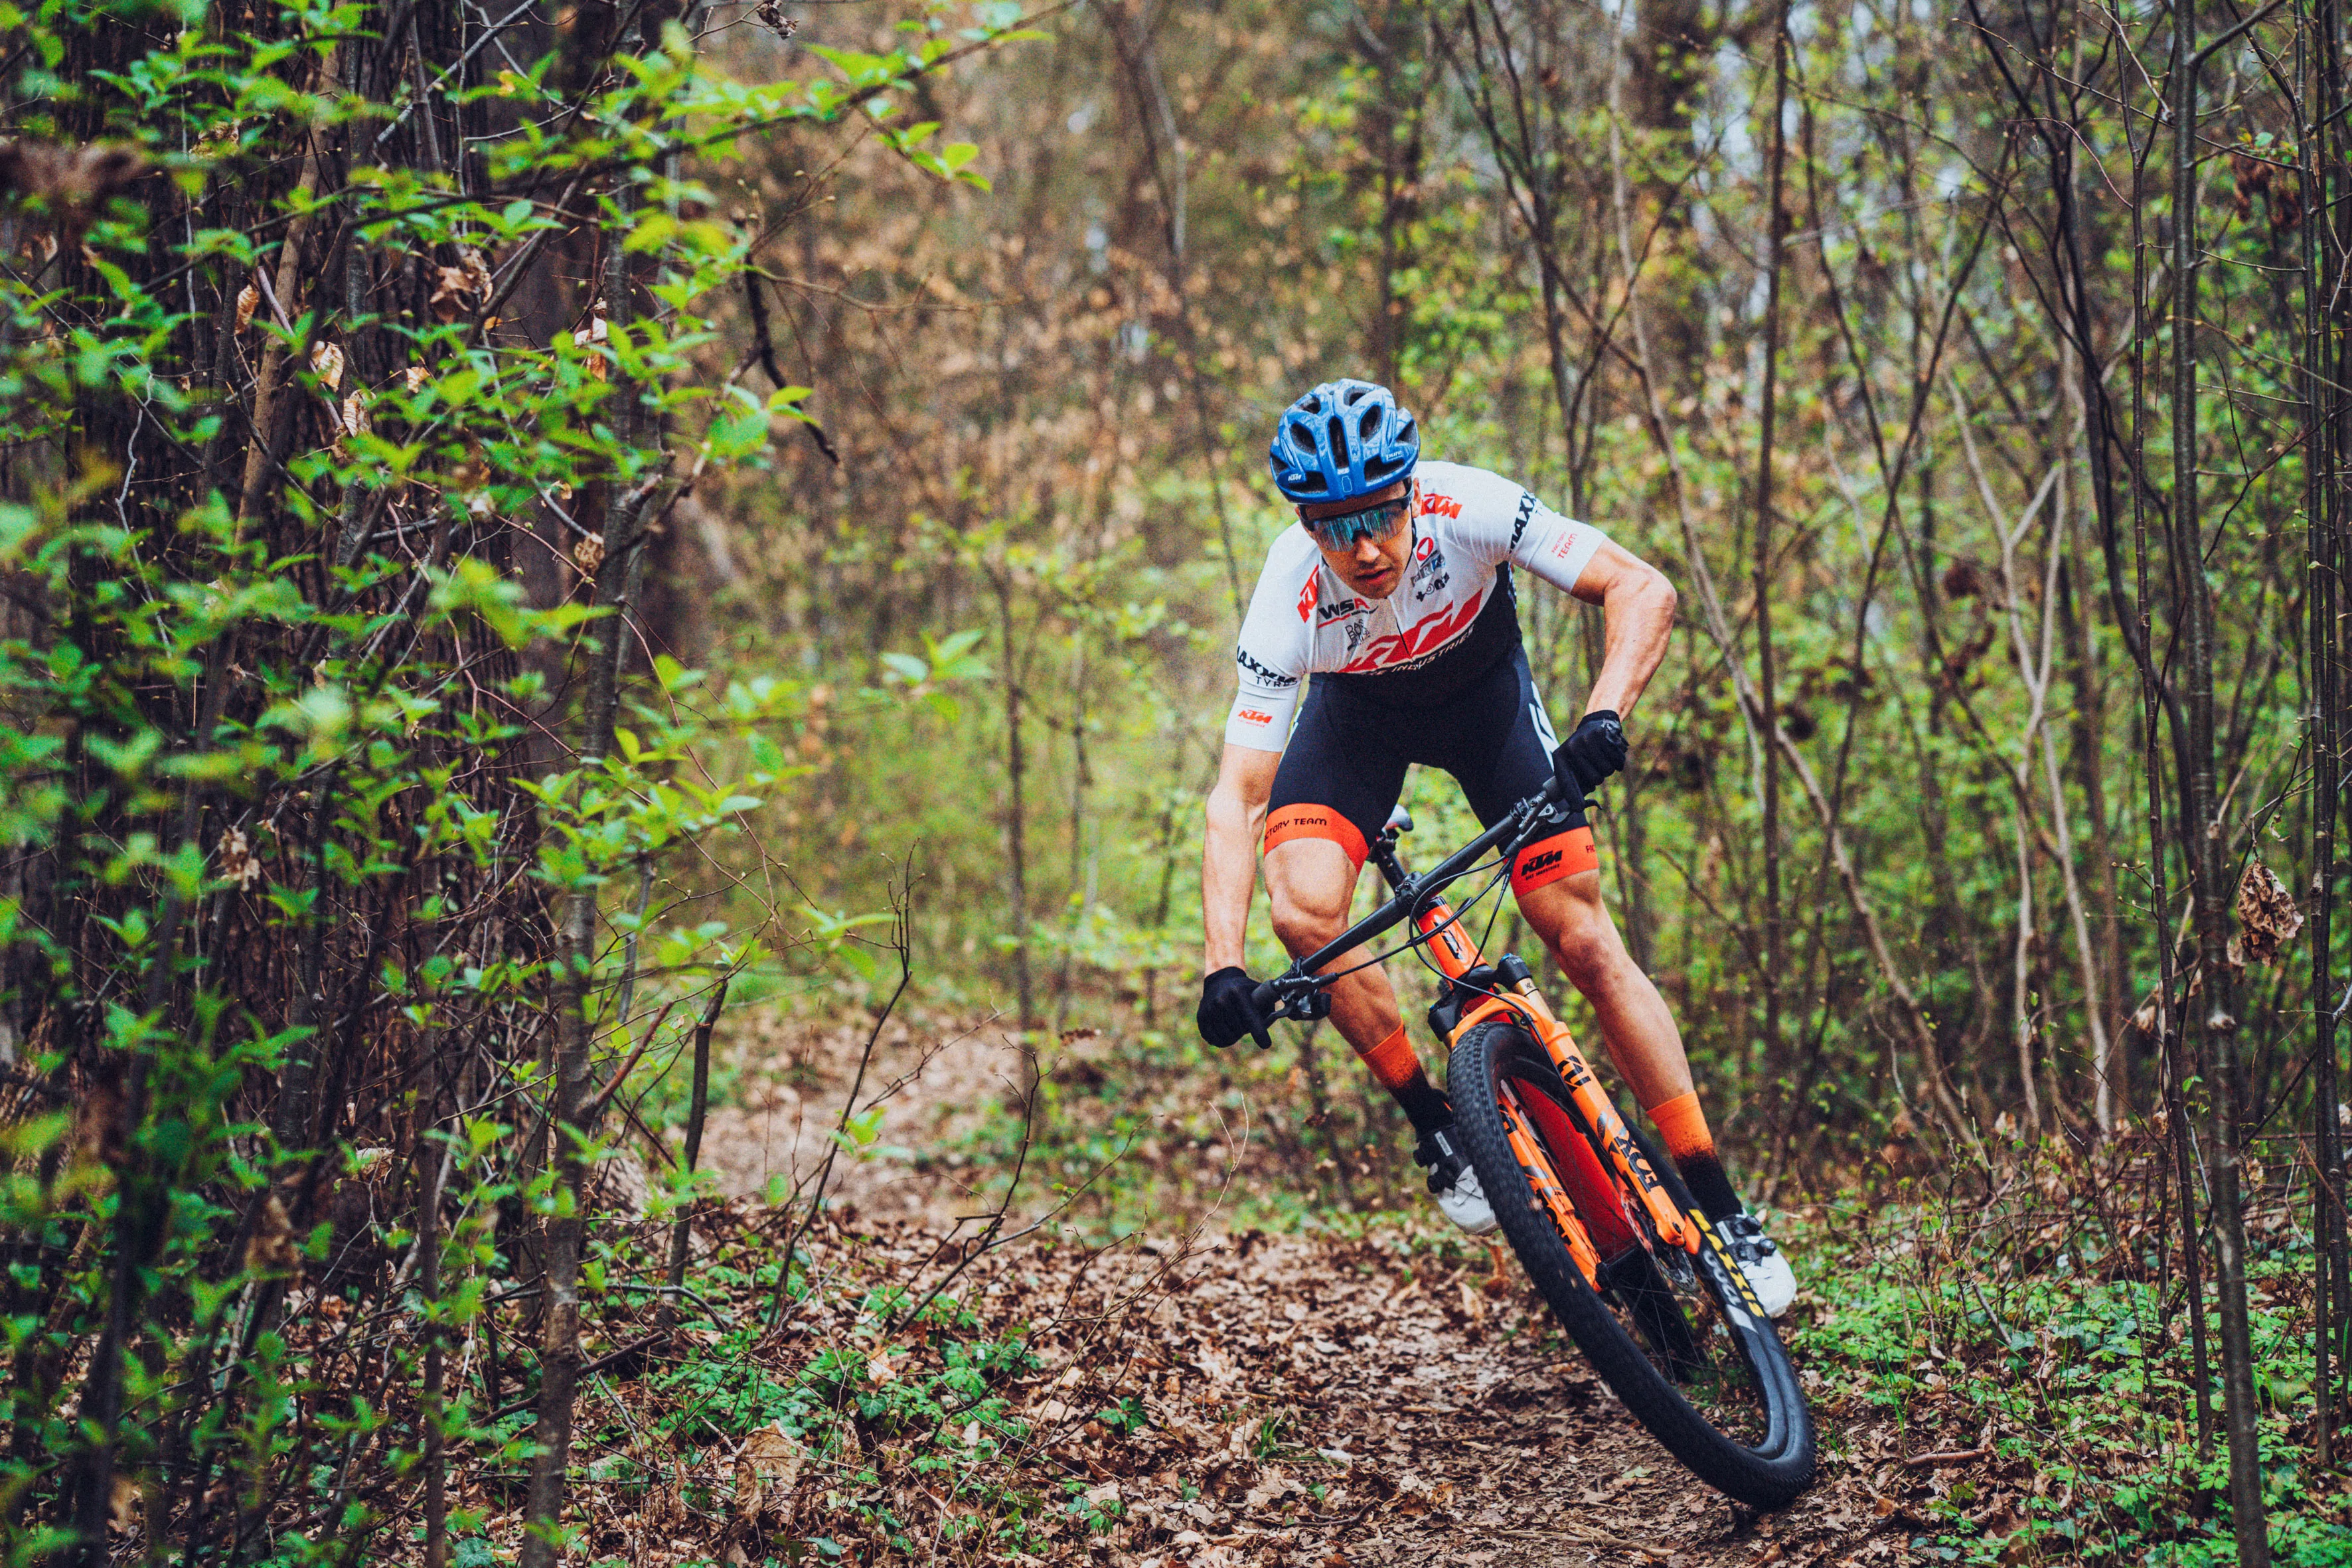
{"x": 1616, "y": 1139}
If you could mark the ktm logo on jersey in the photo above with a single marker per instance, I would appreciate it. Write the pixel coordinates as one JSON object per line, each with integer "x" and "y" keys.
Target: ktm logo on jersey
{"x": 1252, "y": 716}
{"x": 1534, "y": 863}
{"x": 1306, "y": 597}
{"x": 1439, "y": 506}
{"x": 1419, "y": 640}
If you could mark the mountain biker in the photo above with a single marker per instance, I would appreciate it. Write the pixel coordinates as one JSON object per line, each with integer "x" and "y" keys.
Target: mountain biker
{"x": 1395, "y": 594}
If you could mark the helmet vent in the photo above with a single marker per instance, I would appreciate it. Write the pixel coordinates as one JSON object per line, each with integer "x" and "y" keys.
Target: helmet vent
{"x": 1368, "y": 423}
{"x": 1379, "y": 468}
{"x": 1339, "y": 440}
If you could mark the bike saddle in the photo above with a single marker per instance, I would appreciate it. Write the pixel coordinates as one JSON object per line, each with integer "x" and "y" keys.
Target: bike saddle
{"x": 1400, "y": 821}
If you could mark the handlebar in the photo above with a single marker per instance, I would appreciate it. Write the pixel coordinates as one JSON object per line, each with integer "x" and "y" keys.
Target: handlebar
{"x": 1283, "y": 996}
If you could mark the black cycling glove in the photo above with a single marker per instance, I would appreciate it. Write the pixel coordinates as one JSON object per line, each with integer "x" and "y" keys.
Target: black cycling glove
{"x": 1594, "y": 751}
{"x": 1226, "y": 1011}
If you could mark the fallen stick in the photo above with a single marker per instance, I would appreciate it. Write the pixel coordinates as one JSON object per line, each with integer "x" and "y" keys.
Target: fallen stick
{"x": 1947, "y": 1456}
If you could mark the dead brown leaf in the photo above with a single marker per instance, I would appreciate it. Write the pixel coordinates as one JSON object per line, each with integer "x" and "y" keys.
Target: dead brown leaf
{"x": 2267, "y": 918}
{"x": 272, "y": 1247}
{"x": 766, "y": 1469}
{"x": 74, "y": 178}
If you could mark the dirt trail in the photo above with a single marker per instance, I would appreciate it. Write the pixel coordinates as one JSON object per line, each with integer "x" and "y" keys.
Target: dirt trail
{"x": 1398, "y": 1399}
{"x": 1449, "y": 1422}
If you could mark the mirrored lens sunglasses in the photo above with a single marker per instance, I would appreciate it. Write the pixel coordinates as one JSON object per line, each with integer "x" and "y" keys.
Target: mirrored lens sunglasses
{"x": 1373, "y": 523}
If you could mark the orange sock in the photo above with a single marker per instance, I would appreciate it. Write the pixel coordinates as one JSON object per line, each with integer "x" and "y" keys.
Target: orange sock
{"x": 1684, "y": 1126}
{"x": 1396, "y": 1066}
{"x": 1393, "y": 1062}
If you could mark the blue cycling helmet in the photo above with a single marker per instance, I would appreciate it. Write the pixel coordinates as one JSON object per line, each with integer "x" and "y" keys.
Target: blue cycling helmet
{"x": 1344, "y": 439}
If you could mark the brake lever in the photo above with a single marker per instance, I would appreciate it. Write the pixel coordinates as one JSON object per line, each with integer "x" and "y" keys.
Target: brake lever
{"x": 1278, "y": 1003}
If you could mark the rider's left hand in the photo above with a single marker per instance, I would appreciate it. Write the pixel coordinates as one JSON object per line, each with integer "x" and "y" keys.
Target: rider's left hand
{"x": 1594, "y": 751}
{"x": 1227, "y": 1012}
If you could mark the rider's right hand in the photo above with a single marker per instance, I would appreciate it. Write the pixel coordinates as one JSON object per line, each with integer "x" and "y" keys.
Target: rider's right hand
{"x": 1227, "y": 1013}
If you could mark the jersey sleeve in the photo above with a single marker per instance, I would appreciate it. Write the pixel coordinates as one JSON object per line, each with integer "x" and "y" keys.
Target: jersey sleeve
{"x": 1504, "y": 524}
{"x": 1271, "y": 660}
{"x": 1555, "y": 548}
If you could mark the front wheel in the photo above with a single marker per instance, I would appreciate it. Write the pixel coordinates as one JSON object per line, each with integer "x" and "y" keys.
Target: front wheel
{"x": 1675, "y": 1336}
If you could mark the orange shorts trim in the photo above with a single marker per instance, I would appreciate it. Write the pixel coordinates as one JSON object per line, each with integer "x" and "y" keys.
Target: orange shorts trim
{"x": 1549, "y": 859}
{"x": 1315, "y": 821}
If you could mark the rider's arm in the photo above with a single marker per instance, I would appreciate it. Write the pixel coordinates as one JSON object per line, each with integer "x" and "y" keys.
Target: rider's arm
{"x": 1637, "y": 616}
{"x": 1637, "y": 603}
{"x": 1229, "y": 852}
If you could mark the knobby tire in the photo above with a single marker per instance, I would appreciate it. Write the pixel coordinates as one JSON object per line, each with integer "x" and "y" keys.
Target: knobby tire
{"x": 1766, "y": 1474}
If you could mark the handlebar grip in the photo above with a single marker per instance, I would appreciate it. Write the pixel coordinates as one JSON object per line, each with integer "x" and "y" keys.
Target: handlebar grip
{"x": 1266, "y": 999}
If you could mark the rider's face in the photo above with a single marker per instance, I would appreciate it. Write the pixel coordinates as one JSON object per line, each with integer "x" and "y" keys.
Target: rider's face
{"x": 1370, "y": 566}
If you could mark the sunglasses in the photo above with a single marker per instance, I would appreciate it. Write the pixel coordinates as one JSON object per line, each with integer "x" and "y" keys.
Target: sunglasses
{"x": 1373, "y": 523}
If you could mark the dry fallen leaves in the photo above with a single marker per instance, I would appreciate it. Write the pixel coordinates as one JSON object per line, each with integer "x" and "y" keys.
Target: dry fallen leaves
{"x": 248, "y": 300}
{"x": 766, "y": 1470}
{"x": 589, "y": 553}
{"x": 327, "y": 364}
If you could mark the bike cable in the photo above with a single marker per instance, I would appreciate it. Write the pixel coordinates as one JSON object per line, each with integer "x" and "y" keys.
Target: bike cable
{"x": 1420, "y": 939}
{"x": 1421, "y": 947}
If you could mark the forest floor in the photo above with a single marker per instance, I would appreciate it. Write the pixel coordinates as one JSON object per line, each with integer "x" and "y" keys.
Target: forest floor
{"x": 1356, "y": 1389}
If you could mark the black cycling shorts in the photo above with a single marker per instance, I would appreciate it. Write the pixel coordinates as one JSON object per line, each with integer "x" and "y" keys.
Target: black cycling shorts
{"x": 1344, "y": 767}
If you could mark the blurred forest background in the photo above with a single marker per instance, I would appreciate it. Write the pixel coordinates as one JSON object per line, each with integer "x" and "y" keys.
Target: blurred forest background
{"x": 573, "y": 566}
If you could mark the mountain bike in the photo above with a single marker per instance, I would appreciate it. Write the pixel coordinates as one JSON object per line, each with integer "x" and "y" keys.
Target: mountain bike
{"x": 1600, "y": 1221}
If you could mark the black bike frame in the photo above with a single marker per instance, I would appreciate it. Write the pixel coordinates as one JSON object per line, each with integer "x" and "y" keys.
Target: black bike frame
{"x": 1275, "y": 997}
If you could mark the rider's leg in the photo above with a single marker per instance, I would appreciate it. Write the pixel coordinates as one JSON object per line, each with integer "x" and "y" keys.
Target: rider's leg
{"x": 1310, "y": 881}
{"x": 1557, "y": 882}
{"x": 1568, "y": 914}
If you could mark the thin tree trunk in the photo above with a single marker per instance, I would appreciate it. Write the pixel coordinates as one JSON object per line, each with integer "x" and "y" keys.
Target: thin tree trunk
{"x": 1775, "y": 939}
{"x": 2321, "y": 419}
{"x": 2086, "y": 736}
{"x": 433, "y": 1408}
{"x": 570, "y": 1113}
{"x": 698, "y": 1110}
{"x": 2201, "y": 823}
{"x": 1017, "y": 814}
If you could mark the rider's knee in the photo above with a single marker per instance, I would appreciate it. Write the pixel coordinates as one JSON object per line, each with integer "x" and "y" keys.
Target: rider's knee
{"x": 1303, "y": 927}
{"x": 1584, "y": 954}
{"x": 1584, "y": 939}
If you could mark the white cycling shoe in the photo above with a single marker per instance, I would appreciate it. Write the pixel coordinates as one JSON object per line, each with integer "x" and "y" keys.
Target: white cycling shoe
{"x": 1454, "y": 1182}
{"x": 1758, "y": 1256}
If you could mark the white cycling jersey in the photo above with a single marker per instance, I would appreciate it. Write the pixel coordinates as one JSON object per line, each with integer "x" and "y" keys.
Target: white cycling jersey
{"x": 1454, "y": 602}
